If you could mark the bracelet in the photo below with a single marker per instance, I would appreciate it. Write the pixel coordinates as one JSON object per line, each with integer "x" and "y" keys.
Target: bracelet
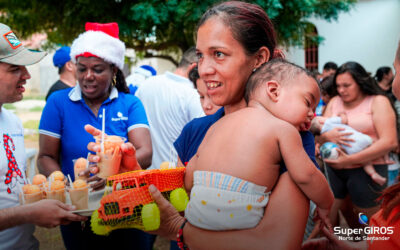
{"x": 179, "y": 237}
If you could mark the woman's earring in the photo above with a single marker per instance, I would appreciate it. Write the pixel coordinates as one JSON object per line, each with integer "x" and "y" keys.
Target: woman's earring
{"x": 114, "y": 80}
{"x": 254, "y": 70}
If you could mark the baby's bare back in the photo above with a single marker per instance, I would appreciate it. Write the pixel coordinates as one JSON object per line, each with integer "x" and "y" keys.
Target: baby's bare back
{"x": 243, "y": 144}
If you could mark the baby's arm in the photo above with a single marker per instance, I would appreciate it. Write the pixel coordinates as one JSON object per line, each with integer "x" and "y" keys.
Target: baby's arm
{"x": 304, "y": 173}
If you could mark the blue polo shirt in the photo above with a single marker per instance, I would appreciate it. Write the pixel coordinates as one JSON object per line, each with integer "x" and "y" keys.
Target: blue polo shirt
{"x": 193, "y": 134}
{"x": 66, "y": 114}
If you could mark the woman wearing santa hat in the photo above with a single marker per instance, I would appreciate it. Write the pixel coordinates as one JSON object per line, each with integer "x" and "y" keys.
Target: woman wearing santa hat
{"x": 99, "y": 57}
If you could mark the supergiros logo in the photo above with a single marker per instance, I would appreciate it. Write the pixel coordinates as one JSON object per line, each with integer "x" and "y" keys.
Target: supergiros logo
{"x": 380, "y": 233}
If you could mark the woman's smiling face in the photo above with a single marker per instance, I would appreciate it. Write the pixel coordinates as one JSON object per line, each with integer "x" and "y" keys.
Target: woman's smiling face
{"x": 223, "y": 64}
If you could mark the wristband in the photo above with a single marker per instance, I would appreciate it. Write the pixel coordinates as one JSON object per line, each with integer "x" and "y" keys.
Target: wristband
{"x": 179, "y": 237}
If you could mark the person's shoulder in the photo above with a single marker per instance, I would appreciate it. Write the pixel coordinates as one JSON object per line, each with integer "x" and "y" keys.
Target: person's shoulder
{"x": 128, "y": 99}
{"x": 203, "y": 123}
{"x": 9, "y": 115}
{"x": 59, "y": 95}
{"x": 380, "y": 99}
{"x": 335, "y": 99}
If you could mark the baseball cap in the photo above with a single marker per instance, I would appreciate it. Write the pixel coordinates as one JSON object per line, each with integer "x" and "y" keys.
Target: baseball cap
{"x": 61, "y": 57}
{"x": 12, "y": 51}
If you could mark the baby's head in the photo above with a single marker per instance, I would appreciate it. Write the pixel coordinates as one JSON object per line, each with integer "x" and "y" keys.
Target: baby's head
{"x": 288, "y": 91}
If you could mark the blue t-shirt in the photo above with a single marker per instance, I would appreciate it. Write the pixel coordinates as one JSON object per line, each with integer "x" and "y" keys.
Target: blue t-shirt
{"x": 193, "y": 134}
{"x": 66, "y": 114}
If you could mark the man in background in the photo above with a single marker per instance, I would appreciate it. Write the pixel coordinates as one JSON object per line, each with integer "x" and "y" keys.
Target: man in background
{"x": 170, "y": 101}
{"x": 66, "y": 70}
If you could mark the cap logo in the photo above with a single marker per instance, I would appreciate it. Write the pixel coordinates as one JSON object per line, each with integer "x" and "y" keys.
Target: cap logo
{"x": 12, "y": 39}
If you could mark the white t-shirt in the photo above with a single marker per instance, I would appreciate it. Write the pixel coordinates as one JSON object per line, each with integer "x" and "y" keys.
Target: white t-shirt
{"x": 170, "y": 102}
{"x": 12, "y": 174}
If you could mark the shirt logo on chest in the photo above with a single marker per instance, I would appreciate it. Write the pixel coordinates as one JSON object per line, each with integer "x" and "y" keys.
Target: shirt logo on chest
{"x": 120, "y": 117}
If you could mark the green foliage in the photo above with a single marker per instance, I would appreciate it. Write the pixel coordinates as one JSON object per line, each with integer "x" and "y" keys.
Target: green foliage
{"x": 154, "y": 25}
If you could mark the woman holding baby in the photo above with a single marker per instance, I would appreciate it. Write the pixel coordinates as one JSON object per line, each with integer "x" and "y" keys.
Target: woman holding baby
{"x": 370, "y": 113}
{"x": 234, "y": 39}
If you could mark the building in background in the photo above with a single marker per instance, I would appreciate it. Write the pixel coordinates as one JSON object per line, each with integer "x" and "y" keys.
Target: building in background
{"x": 367, "y": 34}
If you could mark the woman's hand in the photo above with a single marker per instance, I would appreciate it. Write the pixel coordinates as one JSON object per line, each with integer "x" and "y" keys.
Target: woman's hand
{"x": 337, "y": 136}
{"x": 171, "y": 220}
{"x": 343, "y": 161}
{"x": 323, "y": 215}
{"x": 128, "y": 162}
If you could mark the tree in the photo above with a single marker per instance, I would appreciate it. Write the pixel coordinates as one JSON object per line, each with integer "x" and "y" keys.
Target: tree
{"x": 154, "y": 27}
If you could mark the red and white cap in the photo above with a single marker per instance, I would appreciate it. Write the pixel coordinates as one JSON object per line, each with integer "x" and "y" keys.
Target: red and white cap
{"x": 100, "y": 40}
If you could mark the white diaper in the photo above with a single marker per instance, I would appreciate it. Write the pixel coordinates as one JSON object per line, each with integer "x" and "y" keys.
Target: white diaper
{"x": 223, "y": 202}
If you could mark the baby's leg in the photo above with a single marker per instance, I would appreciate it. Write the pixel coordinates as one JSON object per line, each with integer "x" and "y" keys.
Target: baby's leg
{"x": 370, "y": 170}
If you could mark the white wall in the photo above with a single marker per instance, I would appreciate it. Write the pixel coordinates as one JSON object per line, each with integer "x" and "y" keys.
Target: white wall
{"x": 368, "y": 34}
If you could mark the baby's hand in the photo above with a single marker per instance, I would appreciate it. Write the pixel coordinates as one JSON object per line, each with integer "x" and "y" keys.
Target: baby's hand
{"x": 323, "y": 215}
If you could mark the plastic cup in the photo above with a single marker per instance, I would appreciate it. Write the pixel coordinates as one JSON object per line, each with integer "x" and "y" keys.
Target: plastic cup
{"x": 79, "y": 166}
{"x": 31, "y": 193}
{"x": 31, "y": 198}
{"x": 56, "y": 195}
{"x": 110, "y": 159}
{"x": 80, "y": 197}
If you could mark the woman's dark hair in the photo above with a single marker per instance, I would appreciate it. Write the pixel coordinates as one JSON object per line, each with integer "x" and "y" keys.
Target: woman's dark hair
{"x": 194, "y": 76}
{"x": 363, "y": 79}
{"x": 381, "y": 72}
{"x": 249, "y": 24}
{"x": 121, "y": 83}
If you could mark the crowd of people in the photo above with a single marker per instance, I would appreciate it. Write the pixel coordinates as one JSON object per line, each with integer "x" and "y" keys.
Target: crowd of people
{"x": 234, "y": 112}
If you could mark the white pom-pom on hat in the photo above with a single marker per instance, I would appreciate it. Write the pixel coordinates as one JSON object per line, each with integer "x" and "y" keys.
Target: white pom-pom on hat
{"x": 100, "y": 40}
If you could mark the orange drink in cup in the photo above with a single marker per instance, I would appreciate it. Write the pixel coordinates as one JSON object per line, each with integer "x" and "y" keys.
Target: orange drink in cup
{"x": 79, "y": 194}
{"x": 31, "y": 193}
{"x": 56, "y": 190}
{"x": 57, "y": 176}
{"x": 79, "y": 166}
{"x": 39, "y": 180}
{"x": 110, "y": 159}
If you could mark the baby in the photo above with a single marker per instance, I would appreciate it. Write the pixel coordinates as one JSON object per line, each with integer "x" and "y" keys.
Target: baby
{"x": 237, "y": 164}
{"x": 361, "y": 141}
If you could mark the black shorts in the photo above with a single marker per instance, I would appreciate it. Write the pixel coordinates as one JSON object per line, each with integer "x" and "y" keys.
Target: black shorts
{"x": 358, "y": 184}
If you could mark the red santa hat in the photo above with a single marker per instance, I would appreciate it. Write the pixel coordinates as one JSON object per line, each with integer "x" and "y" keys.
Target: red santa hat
{"x": 100, "y": 40}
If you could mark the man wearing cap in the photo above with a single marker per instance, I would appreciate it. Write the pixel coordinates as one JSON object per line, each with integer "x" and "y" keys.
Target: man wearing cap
{"x": 13, "y": 75}
{"x": 66, "y": 70}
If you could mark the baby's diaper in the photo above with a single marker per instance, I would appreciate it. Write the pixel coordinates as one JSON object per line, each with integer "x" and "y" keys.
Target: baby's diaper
{"x": 223, "y": 202}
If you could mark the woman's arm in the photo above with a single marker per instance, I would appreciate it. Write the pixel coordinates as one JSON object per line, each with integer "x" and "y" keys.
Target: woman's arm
{"x": 141, "y": 140}
{"x": 282, "y": 226}
{"x": 336, "y": 135}
{"x": 48, "y": 157}
{"x": 384, "y": 121}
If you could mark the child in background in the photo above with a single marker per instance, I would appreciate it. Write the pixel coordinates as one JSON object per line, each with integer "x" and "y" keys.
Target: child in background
{"x": 328, "y": 91}
{"x": 361, "y": 141}
{"x": 208, "y": 106}
{"x": 230, "y": 177}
